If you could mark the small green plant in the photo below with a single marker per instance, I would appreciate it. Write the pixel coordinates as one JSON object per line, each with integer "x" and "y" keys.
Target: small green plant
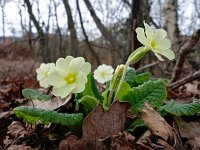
{"x": 73, "y": 76}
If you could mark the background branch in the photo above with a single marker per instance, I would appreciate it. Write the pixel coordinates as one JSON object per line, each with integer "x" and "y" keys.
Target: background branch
{"x": 195, "y": 75}
{"x": 184, "y": 51}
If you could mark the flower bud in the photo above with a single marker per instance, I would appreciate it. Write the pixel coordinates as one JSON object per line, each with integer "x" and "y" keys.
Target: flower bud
{"x": 119, "y": 70}
{"x": 137, "y": 55}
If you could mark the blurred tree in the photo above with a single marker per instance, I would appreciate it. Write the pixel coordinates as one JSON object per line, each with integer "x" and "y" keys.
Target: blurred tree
{"x": 71, "y": 27}
{"x": 2, "y": 4}
{"x": 115, "y": 45}
{"x": 171, "y": 22}
{"x": 43, "y": 47}
{"x": 61, "y": 50}
{"x": 85, "y": 35}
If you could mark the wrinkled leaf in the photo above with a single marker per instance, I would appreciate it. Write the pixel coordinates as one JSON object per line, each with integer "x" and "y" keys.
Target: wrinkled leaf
{"x": 33, "y": 115}
{"x": 134, "y": 79}
{"x": 91, "y": 88}
{"x": 89, "y": 103}
{"x": 152, "y": 91}
{"x": 33, "y": 94}
{"x": 123, "y": 90}
{"x": 178, "y": 109}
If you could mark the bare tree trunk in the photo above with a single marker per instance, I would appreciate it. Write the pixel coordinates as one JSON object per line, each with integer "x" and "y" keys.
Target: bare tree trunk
{"x": 19, "y": 5}
{"x": 135, "y": 10}
{"x": 61, "y": 50}
{"x": 3, "y": 3}
{"x": 171, "y": 22}
{"x": 73, "y": 36}
{"x": 45, "y": 52}
{"x": 85, "y": 34}
{"x": 47, "y": 27}
{"x": 108, "y": 36}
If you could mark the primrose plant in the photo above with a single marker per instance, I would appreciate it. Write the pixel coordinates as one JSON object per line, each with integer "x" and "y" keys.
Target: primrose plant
{"x": 73, "y": 76}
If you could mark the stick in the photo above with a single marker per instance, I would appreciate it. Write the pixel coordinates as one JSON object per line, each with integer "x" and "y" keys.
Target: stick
{"x": 185, "y": 80}
{"x": 184, "y": 51}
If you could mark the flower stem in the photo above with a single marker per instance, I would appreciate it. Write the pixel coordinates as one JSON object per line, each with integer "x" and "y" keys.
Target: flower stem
{"x": 110, "y": 97}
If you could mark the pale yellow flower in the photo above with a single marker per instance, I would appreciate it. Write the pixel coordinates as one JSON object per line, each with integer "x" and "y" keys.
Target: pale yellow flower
{"x": 156, "y": 41}
{"x": 43, "y": 74}
{"x": 69, "y": 76}
{"x": 103, "y": 73}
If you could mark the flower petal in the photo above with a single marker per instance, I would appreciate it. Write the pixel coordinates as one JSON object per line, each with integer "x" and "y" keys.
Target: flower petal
{"x": 62, "y": 63}
{"x": 167, "y": 53}
{"x": 76, "y": 64}
{"x": 81, "y": 80}
{"x": 159, "y": 57}
{"x": 98, "y": 76}
{"x": 148, "y": 30}
{"x": 86, "y": 68}
{"x": 163, "y": 44}
{"x": 56, "y": 79}
{"x": 141, "y": 36}
{"x": 63, "y": 91}
{"x": 159, "y": 34}
{"x": 44, "y": 83}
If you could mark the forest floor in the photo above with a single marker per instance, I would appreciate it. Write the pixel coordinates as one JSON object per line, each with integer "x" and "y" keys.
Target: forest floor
{"x": 168, "y": 133}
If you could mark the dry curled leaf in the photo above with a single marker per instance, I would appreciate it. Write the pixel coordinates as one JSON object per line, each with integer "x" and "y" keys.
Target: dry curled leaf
{"x": 20, "y": 147}
{"x": 17, "y": 130}
{"x": 189, "y": 130}
{"x": 121, "y": 141}
{"x": 156, "y": 123}
{"x": 98, "y": 125}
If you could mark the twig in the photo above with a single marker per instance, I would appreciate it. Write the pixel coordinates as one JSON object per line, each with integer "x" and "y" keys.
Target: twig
{"x": 184, "y": 51}
{"x": 147, "y": 66}
{"x": 185, "y": 80}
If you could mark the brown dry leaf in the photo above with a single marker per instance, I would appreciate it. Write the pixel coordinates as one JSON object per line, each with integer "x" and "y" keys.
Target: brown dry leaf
{"x": 96, "y": 126}
{"x": 17, "y": 130}
{"x": 156, "y": 123}
{"x": 7, "y": 140}
{"x": 52, "y": 104}
{"x": 190, "y": 130}
{"x": 192, "y": 89}
{"x": 121, "y": 141}
{"x": 20, "y": 147}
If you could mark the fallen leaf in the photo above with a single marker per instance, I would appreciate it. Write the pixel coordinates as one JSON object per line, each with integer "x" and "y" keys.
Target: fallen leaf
{"x": 165, "y": 144}
{"x": 17, "y": 130}
{"x": 156, "y": 123}
{"x": 98, "y": 125}
{"x": 52, "y": 104}
{"x": 189, "y": 130}
{"x": 121, "y": 141}
{"x": 20, "y": 147}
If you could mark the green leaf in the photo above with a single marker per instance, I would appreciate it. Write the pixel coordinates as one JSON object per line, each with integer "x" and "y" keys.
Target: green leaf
{"x": 123, "y": 90}
{"x": 91, "y": 88}
{"x": 152, "y": 91}
{"x": 178, "y": 109}
{"x": 33, "y": 115}
{"x": 89, "y": 103}
{"x": 134, "y": 79}
{"x": 136, "y": 124}
{"x": 33, "y": 94}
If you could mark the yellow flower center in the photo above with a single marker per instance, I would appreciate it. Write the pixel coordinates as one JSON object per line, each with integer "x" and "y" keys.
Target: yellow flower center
{"x": 46, "y": 74}
{"x": 70, "y": 78}
{"x": 153, "y": 45}
{"x": 103, "y": 74}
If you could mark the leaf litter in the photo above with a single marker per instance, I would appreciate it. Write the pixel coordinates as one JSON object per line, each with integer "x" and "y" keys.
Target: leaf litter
{"x": 101, "y": 129}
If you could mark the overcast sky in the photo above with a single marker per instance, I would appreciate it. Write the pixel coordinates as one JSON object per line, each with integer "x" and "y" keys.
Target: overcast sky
{"x": 13, "y": 19}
